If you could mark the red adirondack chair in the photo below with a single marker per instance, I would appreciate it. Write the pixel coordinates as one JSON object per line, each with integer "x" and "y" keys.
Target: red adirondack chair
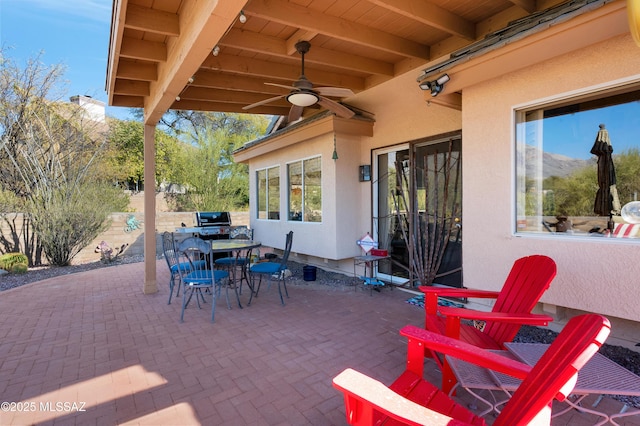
{"x": 412, "y": 400}
{"x": 529, "y": 278}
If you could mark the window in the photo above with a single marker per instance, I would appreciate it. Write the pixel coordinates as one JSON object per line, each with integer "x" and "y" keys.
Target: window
{"x": 578, "y": 164}
{"x": 268, "y": 193}
{"x": 305, "y": 190}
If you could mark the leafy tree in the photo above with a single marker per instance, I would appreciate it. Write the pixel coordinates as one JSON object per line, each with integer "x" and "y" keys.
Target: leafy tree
{"x": 574, "y": 195}
{"x": 50, "y": 152}
{"x": 126, "y": 154}
{"x": 213, "y": 180}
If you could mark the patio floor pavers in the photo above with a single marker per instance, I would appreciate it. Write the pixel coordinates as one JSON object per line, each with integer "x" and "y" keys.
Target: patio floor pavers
{"x": 90, "y": 348}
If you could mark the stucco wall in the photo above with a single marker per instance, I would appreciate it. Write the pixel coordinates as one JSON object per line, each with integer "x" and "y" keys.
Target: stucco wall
{"x": 595, "y": 275}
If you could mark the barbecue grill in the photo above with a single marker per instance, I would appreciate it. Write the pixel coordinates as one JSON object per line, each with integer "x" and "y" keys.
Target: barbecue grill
{"x": 210, "y": 226}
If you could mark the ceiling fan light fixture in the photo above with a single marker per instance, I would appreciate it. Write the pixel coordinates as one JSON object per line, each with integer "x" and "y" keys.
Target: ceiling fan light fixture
{"x": 303, "y": 99}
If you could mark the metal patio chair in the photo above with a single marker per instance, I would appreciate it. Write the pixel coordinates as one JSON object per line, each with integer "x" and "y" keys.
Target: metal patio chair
{"x": 274, "y": 270}
{"x": 200, "y": 281}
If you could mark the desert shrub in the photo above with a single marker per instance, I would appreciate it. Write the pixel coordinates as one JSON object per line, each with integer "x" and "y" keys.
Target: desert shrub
{"x": 68, "y": 221}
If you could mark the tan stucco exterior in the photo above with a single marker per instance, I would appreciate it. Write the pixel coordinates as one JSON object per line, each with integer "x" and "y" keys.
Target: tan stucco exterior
{"x": 594, "y": 275}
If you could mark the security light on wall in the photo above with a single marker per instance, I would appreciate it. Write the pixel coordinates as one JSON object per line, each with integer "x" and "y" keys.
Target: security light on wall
{"x": 435, "y": 86}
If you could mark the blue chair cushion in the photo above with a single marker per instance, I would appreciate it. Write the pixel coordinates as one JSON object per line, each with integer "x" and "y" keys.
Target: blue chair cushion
{"x": 203, "y": 276}
{"x": 231, "y": 261}
{"x": 184, "y": 266}
{"x": 265, "y": 268}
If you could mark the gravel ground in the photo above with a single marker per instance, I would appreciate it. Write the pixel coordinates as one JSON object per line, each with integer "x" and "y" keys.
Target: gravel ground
{"x": 621, "y": 355}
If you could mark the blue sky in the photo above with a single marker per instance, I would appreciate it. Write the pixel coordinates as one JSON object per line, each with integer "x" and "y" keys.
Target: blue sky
{"x": 74, "y": 33}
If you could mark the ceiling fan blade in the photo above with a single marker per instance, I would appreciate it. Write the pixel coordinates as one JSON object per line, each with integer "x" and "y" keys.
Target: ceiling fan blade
{"x": 280, "y": 85}
{"x": 336, "y": 108}
{"x": 266, "y": 101}
{"x": 338, "y": 92}
{"x": 294, "y": 113}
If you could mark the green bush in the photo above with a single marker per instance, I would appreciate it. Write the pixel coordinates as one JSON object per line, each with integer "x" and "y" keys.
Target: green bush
{"x": 14, "y": 262}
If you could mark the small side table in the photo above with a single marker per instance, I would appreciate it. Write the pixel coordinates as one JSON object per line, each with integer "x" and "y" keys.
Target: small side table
{"x": 371, "y": 262}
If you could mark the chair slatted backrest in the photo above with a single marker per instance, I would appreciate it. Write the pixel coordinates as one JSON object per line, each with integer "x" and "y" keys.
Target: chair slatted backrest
{"x": 287, "y": 251}
{"x": 169, "y": 249}
{"x": 195, "y": 250}
{"x": 529, "y": 278}
{"x": 555, "y": 374}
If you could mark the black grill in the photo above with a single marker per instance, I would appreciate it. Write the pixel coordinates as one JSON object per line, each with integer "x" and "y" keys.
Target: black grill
{"x": 213, "y": 225}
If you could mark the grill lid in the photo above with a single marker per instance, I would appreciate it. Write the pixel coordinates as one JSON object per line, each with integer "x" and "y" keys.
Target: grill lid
{"x": 213, "y": 218}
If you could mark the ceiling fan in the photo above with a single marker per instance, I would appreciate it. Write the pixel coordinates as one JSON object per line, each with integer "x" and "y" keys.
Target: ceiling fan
{"x": 303, "y": 93}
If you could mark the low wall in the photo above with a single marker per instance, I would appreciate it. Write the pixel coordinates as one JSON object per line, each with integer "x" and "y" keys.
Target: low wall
{"x": 116, "y": 235}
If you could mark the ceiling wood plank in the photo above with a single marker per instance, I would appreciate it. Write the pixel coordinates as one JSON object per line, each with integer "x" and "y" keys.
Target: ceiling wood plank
{"x": 156, "y": 21}
{"x": 142, "y": 49}
{"x": 274, "y": 70}
{"x": 286, "y": 13}
{"x": 431, "y": 15}
{"x": 132, "y": 70}
{"x": 258, "y": 43}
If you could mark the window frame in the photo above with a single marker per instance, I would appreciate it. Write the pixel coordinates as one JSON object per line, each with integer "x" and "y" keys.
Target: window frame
{"x": 268, "y": 212}
{"x": 568, "y": 99}
{"x": 303, "y": 189}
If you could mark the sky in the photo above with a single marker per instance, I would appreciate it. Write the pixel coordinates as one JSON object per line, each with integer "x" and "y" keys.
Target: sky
{"x": 74, "y": 33}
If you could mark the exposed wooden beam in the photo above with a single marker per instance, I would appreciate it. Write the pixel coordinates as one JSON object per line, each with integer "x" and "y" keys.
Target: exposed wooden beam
{"x": 431, "y": 15}
{"x": 131, "y": 87}
{"x": 296, "y": 37}
{"x": 127, "y": 101}
{"x": 258, "y": 43}
{"x": 276, "y": 71}
{"x": 228, "y": 107}
{"x": 528, "y": 5}
{"x": 217, "y": 80}
{"x": 152, "y": 20}
{"x": 132, "y": 70}
{"x": 287, "y": 13}
{"x": 231, "y": 96}
{"x": 203, "y": 23}
{"x": 142, "y": 49}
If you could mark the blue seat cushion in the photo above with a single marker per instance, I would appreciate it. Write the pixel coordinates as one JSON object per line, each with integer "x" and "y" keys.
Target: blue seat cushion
{"x": 184, "y": 266}
{"x": 203, "y": 276}
{"x": 265, "y": 268}
{"x": 231, "y": 261}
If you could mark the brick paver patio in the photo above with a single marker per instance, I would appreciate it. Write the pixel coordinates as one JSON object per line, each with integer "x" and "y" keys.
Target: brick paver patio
{"x": 90, "y": 348}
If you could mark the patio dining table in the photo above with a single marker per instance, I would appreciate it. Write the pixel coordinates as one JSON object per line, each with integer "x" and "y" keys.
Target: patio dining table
{"x": 237, "y": 247}
{"x": 600, "y": 376}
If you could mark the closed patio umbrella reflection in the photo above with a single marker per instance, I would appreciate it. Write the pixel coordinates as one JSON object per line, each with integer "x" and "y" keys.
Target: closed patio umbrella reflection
{"x": 607, "y": 202}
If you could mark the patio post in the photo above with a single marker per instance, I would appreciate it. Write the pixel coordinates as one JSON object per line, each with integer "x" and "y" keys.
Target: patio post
{"x": 150, "y": 283}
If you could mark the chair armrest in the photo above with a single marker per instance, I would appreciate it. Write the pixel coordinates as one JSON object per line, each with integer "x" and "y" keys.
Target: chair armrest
{"x": 458, "y": 292}
{"x": 420, "y": 338}
{"x": 520, "y": 318}
{"x": 363, "y": 395}
{"x": 431, "y": 295}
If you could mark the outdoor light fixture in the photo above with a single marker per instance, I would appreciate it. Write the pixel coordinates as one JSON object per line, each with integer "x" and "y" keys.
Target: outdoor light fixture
{"x": 191, "y": 80}
{"x": 178, "y": 98}
{"x": 216, "y": 51}
{"x": 242, "y": 18}
{"x": 435, "y": 86}
{"x": 303, "y": 99}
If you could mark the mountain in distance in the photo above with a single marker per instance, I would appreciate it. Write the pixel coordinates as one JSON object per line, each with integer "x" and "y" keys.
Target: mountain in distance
{"x": 555, "y": 164}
